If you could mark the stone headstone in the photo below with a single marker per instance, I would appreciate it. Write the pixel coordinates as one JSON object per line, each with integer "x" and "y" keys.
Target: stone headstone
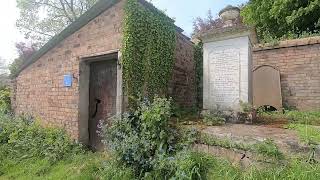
{"x": 227, "y": 63}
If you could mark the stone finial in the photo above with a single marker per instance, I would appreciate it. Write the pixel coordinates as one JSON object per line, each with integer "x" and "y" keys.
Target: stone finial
{"x": 229, "y": 14}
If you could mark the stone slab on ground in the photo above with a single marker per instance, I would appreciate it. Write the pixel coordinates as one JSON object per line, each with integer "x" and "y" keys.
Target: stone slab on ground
{"x": 287, "y": 140}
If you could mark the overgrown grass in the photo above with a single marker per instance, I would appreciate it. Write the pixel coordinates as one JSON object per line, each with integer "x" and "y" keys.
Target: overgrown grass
{"x": 266, "y": 148}
{"x": 222, "y": 142}
{"x": 299, "y": 117}
{"x": 98, "y": 166}
{"x": 80, "y": 166}
{"x": 84, "y": 166}
{"x": 307, "y": 133}
{"x": 182, "y": 165}
{"x": 29, "y": 151}
{"x": 296, "y": 169}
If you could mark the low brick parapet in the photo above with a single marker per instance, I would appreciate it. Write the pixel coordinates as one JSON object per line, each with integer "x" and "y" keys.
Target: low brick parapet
{"x": 288, "y": 43}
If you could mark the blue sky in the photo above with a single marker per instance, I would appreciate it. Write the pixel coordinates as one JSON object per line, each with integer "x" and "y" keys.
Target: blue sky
{"x": 185, "y": 11}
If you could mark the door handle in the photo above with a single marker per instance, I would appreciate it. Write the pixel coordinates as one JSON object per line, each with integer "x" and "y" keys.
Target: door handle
{"x": 98, "y": 101}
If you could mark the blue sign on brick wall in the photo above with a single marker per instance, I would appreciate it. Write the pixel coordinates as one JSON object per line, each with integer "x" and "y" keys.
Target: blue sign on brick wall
{"x": 67, "y": 80}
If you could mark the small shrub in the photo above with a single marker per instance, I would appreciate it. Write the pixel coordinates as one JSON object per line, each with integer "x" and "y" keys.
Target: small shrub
{"x": 5, "y": 102}
{"x": 213, "y": 118}
{"x": 147, "y": 143}
{"x": 22, "y": 138}
{"x": 140, "y": 138}
{"x": 187, "y": 137}
{"x": 112, "y": 170}
{"x": 184, "y": 114}
{"x": 247, "y": 112}
{"x": 187, "y": 165}
{"x": 268, "y": 148}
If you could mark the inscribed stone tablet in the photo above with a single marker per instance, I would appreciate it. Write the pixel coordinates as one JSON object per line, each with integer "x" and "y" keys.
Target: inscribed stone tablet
{"x": 225, "y": 77}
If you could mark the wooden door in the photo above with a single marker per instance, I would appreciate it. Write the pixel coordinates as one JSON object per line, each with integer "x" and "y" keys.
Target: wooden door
{"x": 103, "y": 89}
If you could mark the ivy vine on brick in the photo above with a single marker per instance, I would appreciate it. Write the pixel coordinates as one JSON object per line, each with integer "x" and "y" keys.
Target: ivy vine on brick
{"x": 147, "y": 52}
{"x": 198, "y": 59}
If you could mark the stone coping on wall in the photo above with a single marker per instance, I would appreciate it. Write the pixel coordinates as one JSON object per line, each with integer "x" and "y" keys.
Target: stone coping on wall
{"x": 288, "y": 43}
{"x": 238, "y": 30}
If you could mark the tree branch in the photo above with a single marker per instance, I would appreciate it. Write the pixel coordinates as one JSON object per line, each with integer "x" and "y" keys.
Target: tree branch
{"x": 39, "y": 32}
{"x": 48, "y": 4}
{"x": 81, "y": 7}
{"x": 71, "y": 7}
{"x": 65, "y": 11}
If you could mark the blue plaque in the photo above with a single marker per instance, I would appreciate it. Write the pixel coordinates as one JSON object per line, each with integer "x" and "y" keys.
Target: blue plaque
{"x": 67, "y": 80}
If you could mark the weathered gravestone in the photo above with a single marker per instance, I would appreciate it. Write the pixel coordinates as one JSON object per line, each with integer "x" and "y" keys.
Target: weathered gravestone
{"x": 227, "y": 63}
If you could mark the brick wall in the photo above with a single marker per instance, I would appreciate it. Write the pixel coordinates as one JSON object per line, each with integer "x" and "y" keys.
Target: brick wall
{"x": 39, "y": 89}
{"x": 299, "y": 64}
{"x": 182, "y": 87}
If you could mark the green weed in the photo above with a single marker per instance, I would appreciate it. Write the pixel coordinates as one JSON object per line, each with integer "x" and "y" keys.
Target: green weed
{"x": 307, "y": 133}
{"x": 214, "y": 117}
{"x": 266, "y": 148}
{"x": 299, "y": 117}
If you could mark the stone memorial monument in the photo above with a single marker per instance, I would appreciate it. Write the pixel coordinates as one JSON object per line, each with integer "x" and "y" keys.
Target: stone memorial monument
{"x": 227, "y": 62}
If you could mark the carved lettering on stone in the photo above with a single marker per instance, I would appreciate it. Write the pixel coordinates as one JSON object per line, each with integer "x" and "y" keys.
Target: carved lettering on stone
{"x": 224, "y": 73}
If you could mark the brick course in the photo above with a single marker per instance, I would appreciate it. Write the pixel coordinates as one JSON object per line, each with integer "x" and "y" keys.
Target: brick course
{"x": 182, "y": 87}
{"x": 299, "y": 64}
{"x": 39, "y": 91}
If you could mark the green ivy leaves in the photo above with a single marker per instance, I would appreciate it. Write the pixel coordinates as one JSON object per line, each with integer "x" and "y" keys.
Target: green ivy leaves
{"x": 148, "y": 52}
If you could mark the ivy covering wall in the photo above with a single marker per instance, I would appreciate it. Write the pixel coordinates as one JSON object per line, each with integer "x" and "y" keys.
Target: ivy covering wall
{"x": 147, "y": 52}
{"x": 198, "y": 59}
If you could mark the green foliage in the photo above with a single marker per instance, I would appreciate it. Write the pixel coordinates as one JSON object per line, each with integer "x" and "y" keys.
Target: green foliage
{"x": 5, "y": 101}
{"x": 293, "y": 18}
{"x": 198, "y": 58}
{"x": 23, "y": 138}
{"x": 187, "y": 165}
{"x": 72, "y": 168}
{"x": 296, "y": 169}
{"x": 97, "y": 166}
{"x": 147, "y": 143}
{"x": 183, "y": 114}
{"x": 148, "y": 52}
{"x": 187, "y": 137}
{"x": 222, "y": 142}
{"x": 246, "y": 112}
{"x": 4, "y": 79}
{"x": 15, "y": 66}
{"x": 140, "y": 138}
{"x": 297, "y": 117}
{"x": 307, "y": 133}
{"x": 113, "y": 170}
{"x": 214, "y": 117}
{"x": 245, "y": 107}
{"x": 268, "y": 148}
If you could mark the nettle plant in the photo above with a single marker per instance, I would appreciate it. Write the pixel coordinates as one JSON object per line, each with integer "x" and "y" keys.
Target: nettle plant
{"x": 147, "y": 52}
{"x": 141, "y": 138}
{"x": 214, "y": 117}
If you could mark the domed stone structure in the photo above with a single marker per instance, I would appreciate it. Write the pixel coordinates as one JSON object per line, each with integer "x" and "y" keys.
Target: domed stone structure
{"x": 229, "y": 14}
